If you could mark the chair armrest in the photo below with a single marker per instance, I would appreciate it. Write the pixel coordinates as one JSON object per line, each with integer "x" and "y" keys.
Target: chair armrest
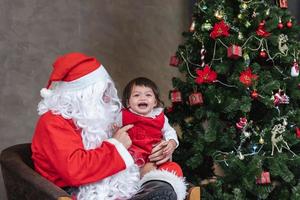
{"x": 22, "y": 182}
{"x": 194, "y": 193}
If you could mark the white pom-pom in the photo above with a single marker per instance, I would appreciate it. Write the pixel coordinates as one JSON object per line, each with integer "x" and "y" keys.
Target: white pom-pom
{"x": 45, "y": 93}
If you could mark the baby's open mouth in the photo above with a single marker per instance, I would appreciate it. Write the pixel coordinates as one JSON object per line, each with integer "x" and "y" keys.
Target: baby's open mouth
{"x": 142, "y": 105}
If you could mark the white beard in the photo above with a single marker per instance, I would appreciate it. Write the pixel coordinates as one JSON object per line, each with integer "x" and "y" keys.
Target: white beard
{"x": 122, "y": 185}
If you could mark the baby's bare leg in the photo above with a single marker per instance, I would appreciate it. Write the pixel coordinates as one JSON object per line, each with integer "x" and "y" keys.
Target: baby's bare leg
{"x": 147, "y": 168}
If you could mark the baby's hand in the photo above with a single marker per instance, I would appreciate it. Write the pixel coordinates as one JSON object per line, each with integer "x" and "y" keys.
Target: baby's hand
{"x": 169, "y": 149}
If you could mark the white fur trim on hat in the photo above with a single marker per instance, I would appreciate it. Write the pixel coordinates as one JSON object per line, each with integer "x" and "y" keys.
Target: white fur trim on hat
{"x": 95, "y": 76}
{"x": 122, "y": 151}
{"x": 178, "y": 183}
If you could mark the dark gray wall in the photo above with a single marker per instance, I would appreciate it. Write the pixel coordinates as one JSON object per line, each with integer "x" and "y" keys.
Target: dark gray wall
{"x": 294, "y": 7}
{"x": 131, "y": 38}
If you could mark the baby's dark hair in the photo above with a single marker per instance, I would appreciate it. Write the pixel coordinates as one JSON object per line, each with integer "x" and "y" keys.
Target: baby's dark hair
{"x": 141, "y": 81}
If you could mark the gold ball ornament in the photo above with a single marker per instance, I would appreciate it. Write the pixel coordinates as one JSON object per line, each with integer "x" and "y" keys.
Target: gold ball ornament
{"x": 261, "y": 141}
{"x": 244, "y": 6}
{"x": 219, "y": 14}
{"x": 240, "y": 16}
{"x": 206, "y": 26}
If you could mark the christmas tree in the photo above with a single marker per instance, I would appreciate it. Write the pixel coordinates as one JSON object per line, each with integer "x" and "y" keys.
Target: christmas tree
{"x": 236, "y": 106}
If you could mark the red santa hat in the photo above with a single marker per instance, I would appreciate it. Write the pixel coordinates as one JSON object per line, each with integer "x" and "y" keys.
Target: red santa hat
{"x": 75, "y": 71}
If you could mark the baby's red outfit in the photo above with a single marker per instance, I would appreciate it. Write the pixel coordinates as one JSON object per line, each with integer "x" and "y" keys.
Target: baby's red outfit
{"x": 145, "y": 133}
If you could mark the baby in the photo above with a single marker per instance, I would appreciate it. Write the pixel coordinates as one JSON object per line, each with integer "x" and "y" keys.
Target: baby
{"x": 143, "y": 109}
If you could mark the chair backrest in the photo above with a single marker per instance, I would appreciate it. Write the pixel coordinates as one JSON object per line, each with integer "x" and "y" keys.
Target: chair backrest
{"x": 21, "y": 181}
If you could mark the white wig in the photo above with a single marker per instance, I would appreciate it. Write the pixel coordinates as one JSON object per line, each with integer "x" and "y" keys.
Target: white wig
{"x": 91, "y": 102}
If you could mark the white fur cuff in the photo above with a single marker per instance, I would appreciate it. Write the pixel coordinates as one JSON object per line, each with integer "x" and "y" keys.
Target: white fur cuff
{"x": 178, "y": 183}
{"x": 122, "y": 151}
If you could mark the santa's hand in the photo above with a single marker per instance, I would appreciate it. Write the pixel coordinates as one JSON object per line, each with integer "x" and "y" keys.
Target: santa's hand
{"x": 115, "y": 127}
{"x": 122, "y": 136}
{"x": 157, "y": 155}
{"x": 170, "y": 148}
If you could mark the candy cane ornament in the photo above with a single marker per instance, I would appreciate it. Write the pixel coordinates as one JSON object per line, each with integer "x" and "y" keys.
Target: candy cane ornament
{"x": 202, "y": 56}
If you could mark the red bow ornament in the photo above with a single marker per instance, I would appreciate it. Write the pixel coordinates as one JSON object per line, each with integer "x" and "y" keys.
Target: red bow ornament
{"x": 206, "y": 75}
{"x": 281, "y": 98}
{"x": 261, "y": 30}
{"x": 242, "y": 123}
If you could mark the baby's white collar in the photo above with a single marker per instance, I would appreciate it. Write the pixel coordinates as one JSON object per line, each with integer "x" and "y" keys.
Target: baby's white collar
{"x": 154, "y": 113}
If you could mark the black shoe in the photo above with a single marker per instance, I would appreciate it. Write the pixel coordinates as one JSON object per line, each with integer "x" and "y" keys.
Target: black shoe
{"x": 155, "y": 190}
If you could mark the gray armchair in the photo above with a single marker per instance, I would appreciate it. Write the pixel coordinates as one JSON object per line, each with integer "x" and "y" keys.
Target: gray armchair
{"x": 21, "y": 181}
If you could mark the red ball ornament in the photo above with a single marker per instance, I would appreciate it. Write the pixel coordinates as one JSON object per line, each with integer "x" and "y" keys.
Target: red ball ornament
{"x": 254, "y": 94}
{"x": 263, "y": 54}
{"x": 289, "y": 24}
{"x": 280, "y": 25}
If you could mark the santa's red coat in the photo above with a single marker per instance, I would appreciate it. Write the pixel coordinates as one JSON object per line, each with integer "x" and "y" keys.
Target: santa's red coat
{"x": 59, "y": 155}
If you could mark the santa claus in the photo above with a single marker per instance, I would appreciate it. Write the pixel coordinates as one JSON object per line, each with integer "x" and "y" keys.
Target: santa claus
{"x": 74, "y": 145}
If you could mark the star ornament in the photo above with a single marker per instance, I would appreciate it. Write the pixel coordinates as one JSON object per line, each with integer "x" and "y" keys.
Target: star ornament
{"x": 247, "y": 78}
{"x": 220, "y": 29}
{"x": 206, "y": 75}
